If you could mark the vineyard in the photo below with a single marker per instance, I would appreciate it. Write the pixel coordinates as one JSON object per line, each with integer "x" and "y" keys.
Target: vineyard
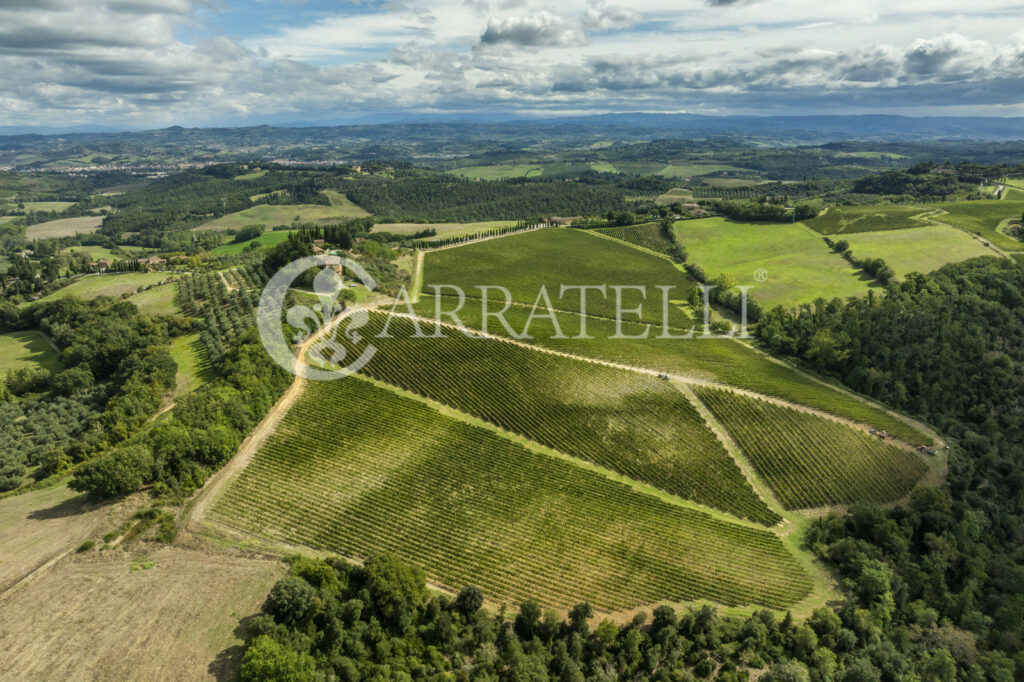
{"x": 225, "y": 300}
{"x": 711, "y": 359}
{"x": 357, "y": 469}
{"x": 625, "y": 421}
{"x": 647, "y": 235}
{"x": 811, "y": 461}
{"x": 556, "y": 257}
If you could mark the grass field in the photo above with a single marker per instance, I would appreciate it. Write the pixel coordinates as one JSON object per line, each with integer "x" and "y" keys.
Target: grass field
{"x": 731, "y": 182}
{"x": 469, "y": 506}
{"x": 674, "y": 195}
{"x": 983, "y": 217}
{"x": 192, "y": 367}
{"x": 91, "y": 286}
{"x": 158, "y": 300}
{"x": 26, "y": 349}
{"x": 91, "y": 617}
{"x": 810, "y": 461}
{"x": 720, "y": 360}
{"x": 626, "y": 421}
{"x": 443, "y": 229}
{"x": 556, "y": 257}
{"x": 272, "y": 215}
{"x": 93, "y": 252}
{"x": 250, "y": 176}
{"x": 799, "y": 265}
{"x": 920, "y": 249}
{"x": 871, "y": 218}
{"x": 499, "y": 172}
{"x": 48, "y": 206}
{"x": 266, "y": 239}
{"x": 65, "y": 227}
{"x": 603, "y": 167}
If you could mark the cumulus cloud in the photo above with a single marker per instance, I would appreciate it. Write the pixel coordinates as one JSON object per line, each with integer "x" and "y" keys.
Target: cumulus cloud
{"x": 535, "y": 30}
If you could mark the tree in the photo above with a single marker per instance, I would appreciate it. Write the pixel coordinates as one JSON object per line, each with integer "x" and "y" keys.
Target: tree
{"x": 269, "y": 661}
{"x": 469, "y": 600}
{"x": 293, "y": 601}
{"x": 117, "y": 473}
{"x": 396, "y": 588}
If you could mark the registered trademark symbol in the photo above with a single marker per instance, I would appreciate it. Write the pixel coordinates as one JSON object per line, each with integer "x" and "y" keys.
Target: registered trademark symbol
{"x": 760, "y": 274}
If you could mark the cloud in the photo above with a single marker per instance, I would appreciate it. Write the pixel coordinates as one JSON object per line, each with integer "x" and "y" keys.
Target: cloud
{"x": 609, "y": 17}
{"x": 537, "y": 30}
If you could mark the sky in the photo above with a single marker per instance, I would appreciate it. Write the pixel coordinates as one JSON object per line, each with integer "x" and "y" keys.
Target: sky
{"x": 139, "y": 64}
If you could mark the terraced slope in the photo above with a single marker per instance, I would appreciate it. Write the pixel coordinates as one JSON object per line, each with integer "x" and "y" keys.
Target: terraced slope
{"x": 359, "y": 469}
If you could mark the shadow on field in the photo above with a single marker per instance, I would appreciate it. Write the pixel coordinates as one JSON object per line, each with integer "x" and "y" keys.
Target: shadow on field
{"x": 69, "y": 507}
{"x": 225, "y": 665}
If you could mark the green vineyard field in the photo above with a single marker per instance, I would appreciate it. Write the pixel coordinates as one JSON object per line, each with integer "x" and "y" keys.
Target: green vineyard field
{"x": 358, "y": 469}
{"x": 718, "y": 360}
{"x": 811, "y": 461}
{"x": 625, "y": 421}
{"x": 647, "y": 235}
{"x": 557, "y": 257}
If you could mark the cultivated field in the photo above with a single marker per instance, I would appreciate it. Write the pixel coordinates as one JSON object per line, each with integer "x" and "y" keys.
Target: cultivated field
{"x": 719, "y": 360}
{"x": 555, "y": 257}
{"x": 91, "y": 286}
{"x": 26, "y": 349}
{"x": 626, "y": 421}
{"x": 443, "y": 229}
{"x": 48, "y": 206}
{"x": 922, "y": 249}
{"x": 65, "y": 227}
{"x": 872, "y": 218}
{"x": 811, "y": 461}
{"x": 674, "y": 195}
{"x": 799, "y": 266}
{"x": 648, "y": 236}
{"x": 285, "y": 214}
{"x": 388, "y": 472}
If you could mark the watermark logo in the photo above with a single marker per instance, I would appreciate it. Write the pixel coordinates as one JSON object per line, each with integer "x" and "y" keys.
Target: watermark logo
{"x": 326, "y": 331}
{"x": 317, "y": 324}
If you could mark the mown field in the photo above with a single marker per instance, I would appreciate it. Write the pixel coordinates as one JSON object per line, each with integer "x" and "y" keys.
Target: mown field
{"x": 648, "y": 236}
{"x": 871, "y": 218}
{"x": 358, "y": 469}
{"x": 176, "y": 620}
{"x": 799, "y": 266}
{"x": 91, "y": 286}
{"x": 921, "y": 249}
{"x": 811, "y": 461}
{"x": 626, "y": 421}
{"x": 720, "y": 360}
{"x": 64, "y": 227}
{"x": 556, "y": 257}
{"x": 26, "y": 349}
{"x": 285, "y": 214}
